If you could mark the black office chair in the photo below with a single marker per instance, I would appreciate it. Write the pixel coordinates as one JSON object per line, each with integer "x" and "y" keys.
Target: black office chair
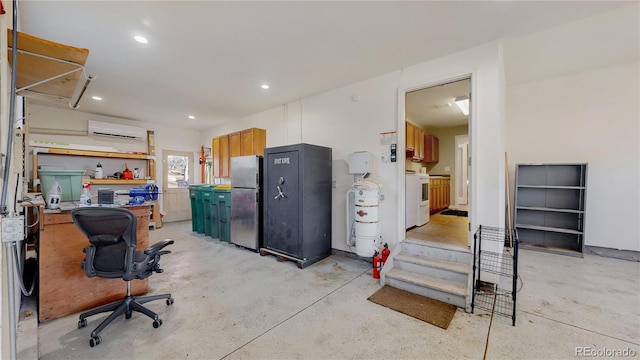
{"x": 112, "y": 254}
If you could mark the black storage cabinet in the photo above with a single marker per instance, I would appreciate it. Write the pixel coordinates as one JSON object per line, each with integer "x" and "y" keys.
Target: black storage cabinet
{"x": 297, "y": 202}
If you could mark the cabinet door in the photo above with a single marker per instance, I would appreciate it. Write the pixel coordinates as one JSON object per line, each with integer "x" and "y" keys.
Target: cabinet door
{"x": 234, "y": 144}
{"x": 432, "y": 195}
{"x": 435, "y": 150}
{"x": 215, "y": 153}
{"x": 418, "y": 153}
{"x": 253, "y": 142}
{"x": 225, "y": 162}
{"x": 447, "y": 192}
{"x": 427, "y": 149}
{"x": 410, "y": 137}
{"x": 431, "y": 146}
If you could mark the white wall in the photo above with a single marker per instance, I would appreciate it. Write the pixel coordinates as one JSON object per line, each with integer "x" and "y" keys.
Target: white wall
{"x": 588, "y": 117}
{"x": 573, "y": 97}
{"x": 334, "y": 119}
{"x": 351, "y": 119}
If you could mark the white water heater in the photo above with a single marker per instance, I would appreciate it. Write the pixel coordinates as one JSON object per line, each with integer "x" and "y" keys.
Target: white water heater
{"x": 364, "y": 231}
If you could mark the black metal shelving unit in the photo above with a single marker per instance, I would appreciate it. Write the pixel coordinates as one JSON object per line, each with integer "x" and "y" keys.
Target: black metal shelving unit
{"x": 495, "y": 271}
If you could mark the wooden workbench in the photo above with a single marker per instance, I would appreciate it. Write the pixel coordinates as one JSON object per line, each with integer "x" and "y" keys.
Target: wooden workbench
{"x": 64, "y": 288}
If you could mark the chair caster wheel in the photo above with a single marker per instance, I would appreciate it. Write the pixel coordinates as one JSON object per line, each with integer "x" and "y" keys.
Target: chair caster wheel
{"x": 82, "y": 323}
{"x": 95, "y": 341}
{"x": 157, "y": 323}
{"x": 169, "y": 301}
{"x": 127, "y": 315}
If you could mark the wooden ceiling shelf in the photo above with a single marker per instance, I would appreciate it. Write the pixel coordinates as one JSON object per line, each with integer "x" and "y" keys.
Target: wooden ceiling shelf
{"x": 47, "y": 70}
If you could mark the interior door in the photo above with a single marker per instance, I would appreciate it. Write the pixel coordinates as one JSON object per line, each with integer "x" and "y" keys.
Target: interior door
{"x": 177, "y": 174}
{"x": 461, "y": 163}
{"x": 282, "y": 203}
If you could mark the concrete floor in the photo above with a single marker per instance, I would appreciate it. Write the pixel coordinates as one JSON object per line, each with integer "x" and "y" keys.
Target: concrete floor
{"x": 231, "y": 303}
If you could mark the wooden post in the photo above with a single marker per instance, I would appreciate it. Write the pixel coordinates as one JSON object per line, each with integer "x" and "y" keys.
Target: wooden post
{"x": 203, "y": 162}
{"x": 509, "y": 224}
{"x": 151, "y": 172}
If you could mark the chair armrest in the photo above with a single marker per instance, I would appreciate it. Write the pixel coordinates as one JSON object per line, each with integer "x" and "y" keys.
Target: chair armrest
{"x": 158, "y": 246}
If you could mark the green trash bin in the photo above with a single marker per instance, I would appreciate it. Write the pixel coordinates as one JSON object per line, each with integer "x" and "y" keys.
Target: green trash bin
{"x": 215, "y": 216}
{"x": 207, "y": 198}
{"x": 223, "y": 199}
{"x": 197, "y": 211}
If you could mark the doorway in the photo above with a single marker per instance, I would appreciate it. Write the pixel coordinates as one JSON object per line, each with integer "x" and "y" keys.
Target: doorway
{"x": 177, "y": 174}
{"x": 462, "y": 171}
{"x": 445, "y": 126}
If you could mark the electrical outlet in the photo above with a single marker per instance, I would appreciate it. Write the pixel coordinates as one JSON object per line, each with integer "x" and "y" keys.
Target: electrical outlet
{"x": 13, "y": 228}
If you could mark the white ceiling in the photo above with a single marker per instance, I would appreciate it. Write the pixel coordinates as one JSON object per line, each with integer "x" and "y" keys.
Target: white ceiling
{"x": 209, "y": 58}
{"x": 435, "y": 106}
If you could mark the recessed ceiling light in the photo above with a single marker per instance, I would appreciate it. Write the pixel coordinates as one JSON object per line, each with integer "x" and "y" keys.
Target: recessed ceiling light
{"x": 141, "y": 39}
{"x": 264, "y": 86}
{"x": 191, "y": 117}
{"x": 96, "y": 98}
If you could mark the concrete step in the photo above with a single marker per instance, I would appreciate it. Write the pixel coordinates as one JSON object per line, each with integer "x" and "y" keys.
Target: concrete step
{"x": 447, "y": 270}
{"x": 451, "y": 292}
{"x": 438, "y": 251}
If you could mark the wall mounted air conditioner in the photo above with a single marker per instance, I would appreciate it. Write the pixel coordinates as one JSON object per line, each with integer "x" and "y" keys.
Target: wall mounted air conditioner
{"x": 99, "y": 128}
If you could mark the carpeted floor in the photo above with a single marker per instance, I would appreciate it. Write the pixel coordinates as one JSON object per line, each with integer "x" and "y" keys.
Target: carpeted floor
{"x": 423, "y": 308}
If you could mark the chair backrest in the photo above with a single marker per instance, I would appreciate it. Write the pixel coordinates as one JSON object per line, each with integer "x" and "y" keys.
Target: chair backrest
{"x": 96, "y": 221}
{"x": 112, "y": 234}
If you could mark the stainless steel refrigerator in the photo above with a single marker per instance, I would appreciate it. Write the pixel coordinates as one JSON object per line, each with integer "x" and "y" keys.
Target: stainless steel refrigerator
{"x": 246, "y": 198}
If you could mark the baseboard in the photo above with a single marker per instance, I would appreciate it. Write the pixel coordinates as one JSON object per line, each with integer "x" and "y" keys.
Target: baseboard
{"x": 350, "y": 255}
{"x": 629, "y": 255}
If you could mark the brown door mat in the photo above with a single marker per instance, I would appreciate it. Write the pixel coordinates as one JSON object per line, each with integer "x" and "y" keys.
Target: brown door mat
{"x": 423, "y": 308}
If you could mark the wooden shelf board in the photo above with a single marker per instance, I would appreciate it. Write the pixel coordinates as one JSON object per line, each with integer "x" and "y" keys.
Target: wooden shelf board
{"x": 117, "y": 181}
{"x": 105, "y": 154}
{"x": 60, "y": 59}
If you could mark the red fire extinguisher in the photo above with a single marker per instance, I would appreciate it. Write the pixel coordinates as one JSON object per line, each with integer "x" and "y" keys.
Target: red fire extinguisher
{"x": 377, "y": 265}
{"x": 385, "y": 253}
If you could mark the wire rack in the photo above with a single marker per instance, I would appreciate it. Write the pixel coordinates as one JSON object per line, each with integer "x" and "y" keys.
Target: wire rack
{"x": 495, "y": 271}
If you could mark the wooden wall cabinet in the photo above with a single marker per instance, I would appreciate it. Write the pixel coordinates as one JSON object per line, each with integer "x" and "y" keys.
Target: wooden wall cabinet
{"x": 414, "y": 142}
{"x": 410, "y": 140}
{"x": 431, "y": 149}
{"x": 439, "y": 194}
{"x": 253, "y": 141}
{"x": 225, "y": 158}
{"x": 235, "y": 140}
{"x": 246, "y": 142}
{"x": 215, "y": 154}
{"x": 418, "y": 153}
